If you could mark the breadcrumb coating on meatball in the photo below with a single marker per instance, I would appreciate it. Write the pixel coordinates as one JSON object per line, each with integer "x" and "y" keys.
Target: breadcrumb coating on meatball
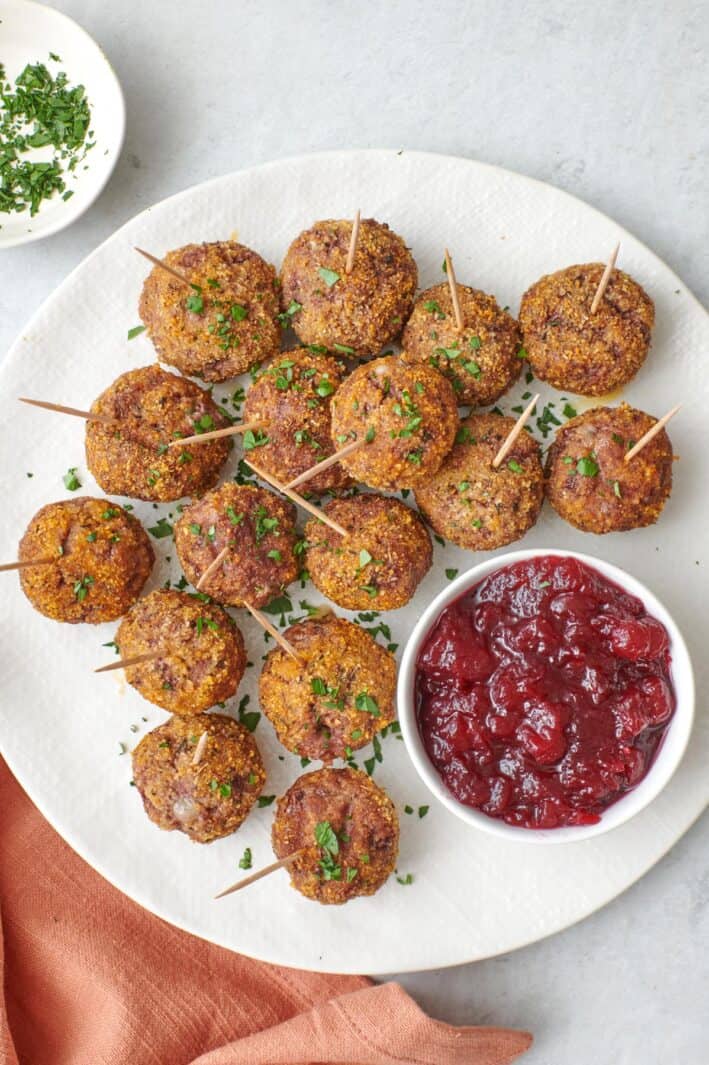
{"x": 382, "y": 561}
{"x": 407, "y": 417}
{"x": 590, "y": 485}
{"x": 203, "y": 651}
{"x": 475, "y": 505}
{"x": 290, "y": 403}
{"x": 208, "y": 800}
{"x": 153, "y": 407}
{"x": 335, "y": 696}
{"x": 103, "y": 557}
{"x": 258, "y": 526}
{"x": 576, "y": 351}
{"x": 357, "y": 313}
{"x": 347, "y": 827}
{"x": 225, "y": 322}
{"x": 481, "y": 361}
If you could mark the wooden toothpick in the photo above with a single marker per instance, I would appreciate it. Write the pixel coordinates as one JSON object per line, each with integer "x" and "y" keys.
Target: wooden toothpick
{"x": 266, "y": 871}
{"x": 353, "y": 245}
{"x": 652, "y": 431}
{"x": 25, "y": 563}
{"x": 297, "y": 499}
{"x": 86, "y": 414}
{"x": 215, "y": 434}
{"x": 453, "y": 286}
{"x": 170, "y": 269}
{"x": 125, "y": 663}
{"x": 199, "y": 749}
{"x": 605, "y": 278}
{"x": 326, "y": 463}
{"x": 514, "y": 432}
{"x": 272, "y": 630}
{"x": 213, "y": 565}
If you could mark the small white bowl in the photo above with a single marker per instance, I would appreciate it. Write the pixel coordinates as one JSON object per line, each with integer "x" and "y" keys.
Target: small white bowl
{"x": 667, "y": 758}
{"x": 30, "y": 31}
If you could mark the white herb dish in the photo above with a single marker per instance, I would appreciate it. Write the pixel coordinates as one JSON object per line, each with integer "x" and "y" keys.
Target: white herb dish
{"x": 29, "y": 32}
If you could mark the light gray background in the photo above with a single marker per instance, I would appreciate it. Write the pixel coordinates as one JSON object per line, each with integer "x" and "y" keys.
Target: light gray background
{"x": 609, "y": 100}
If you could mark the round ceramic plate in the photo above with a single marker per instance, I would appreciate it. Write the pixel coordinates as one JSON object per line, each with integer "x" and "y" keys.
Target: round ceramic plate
{"x": 62, "y": 726}
{"x": 29, "y": 32}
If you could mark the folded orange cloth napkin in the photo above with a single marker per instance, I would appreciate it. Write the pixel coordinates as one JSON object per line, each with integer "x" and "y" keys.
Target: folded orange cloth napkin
{"x": 90, "y": 978}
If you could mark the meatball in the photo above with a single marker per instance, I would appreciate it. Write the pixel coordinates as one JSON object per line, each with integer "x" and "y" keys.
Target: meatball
{"x": 208, "y": 800}
{"x": 102, "y": 554}
{"x": 204, "y": 651}
{"x": 258, "y": 527}
{"x": 290, "y": 402}
{"x": 225, "y": 323}
{"x": 577, "y": 351}
{"x": 407, "y": 416}
{"x": 154, "y": 407}
{"x": 335, "y": 696}
{"x": 589, "y": 484}
{"x": 476, "y": 506}
{"x": 357, "y": 313}
{"x": 481, "y": 361}
{"x": 348, "y": 830}
{"x": 382, "y": 561}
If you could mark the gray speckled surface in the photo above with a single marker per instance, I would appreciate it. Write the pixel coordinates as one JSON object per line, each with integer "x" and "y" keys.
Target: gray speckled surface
{"x": 609, "y": 101}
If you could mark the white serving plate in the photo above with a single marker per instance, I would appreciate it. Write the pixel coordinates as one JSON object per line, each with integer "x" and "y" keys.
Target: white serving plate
{"x": 473, "y": 895}
{"x": 28, "y": 33}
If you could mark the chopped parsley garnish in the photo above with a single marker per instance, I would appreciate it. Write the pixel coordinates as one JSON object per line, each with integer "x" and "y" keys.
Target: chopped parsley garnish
{"x": 195, "y": 303}
{"x": 433, "y": 307}
{"x": 330, "y": 277}
{"x": 248, "y": 718}
{"x": 569, "y": 411}
{"x": 245, "y": 860}
{"x": 254, "y": 439}
{"x": 161, "y": 530}
{"x": 587, "y": 466}
{"x": 344, "y": 348}
{"x": 616, "y": 489}
{"x": 405, "y": 880}
{"x": 81, "y": 588}
{"x": 265, "y": 800}
{"x": 39, "y": 111}
{"x": 451, "y": 574}
{"x": 285, "y": 317}
{"x": 71, "y": 481}
{"x": 234, "y": 518}
{"x": 366, "y": 703}
{"x": 263, "y": 524}
{"x": 514, "y": 466}
{"x": 206, "y": 623}
{"x": 135, "y": 331}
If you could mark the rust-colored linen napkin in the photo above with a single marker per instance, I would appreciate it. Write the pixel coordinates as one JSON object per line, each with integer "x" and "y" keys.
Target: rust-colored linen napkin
{"x": 90, "y": 978}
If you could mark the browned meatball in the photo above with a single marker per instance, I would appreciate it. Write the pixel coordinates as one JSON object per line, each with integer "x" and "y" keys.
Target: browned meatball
{"x": 357, "y": 313}
{"x": 102, "y": 558}
{"x": 476, "y": 506}
{"x": 335, "y": 696}
{"x": 290, "y": 403}
{"x": 225, "y": 322}
{"x": 208, "y": 800}
{"x": 481, "y": 361}
{"x": 577, "y": 351}
{"x": 257, "y": 526}
{"x": 204, "y": 657}
{"x": 153, "y": 407}
{"x": 590, "y": 485}
{"x": 407, "y": 416}
{"x": 380, "y": 564}
{"x": 349, "y": 832}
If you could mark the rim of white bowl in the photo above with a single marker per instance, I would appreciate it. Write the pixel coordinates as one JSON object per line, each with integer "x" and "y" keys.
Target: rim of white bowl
{"x": 668, "y": 756}
{"x": 77, "y": 206}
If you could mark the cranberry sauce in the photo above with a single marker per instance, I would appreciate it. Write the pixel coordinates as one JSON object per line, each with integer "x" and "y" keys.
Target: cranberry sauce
{"x": 543, "y": 693}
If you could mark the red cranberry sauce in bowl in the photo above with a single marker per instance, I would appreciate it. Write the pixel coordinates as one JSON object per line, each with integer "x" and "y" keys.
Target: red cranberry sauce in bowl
{"x": 543, "y": 693}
